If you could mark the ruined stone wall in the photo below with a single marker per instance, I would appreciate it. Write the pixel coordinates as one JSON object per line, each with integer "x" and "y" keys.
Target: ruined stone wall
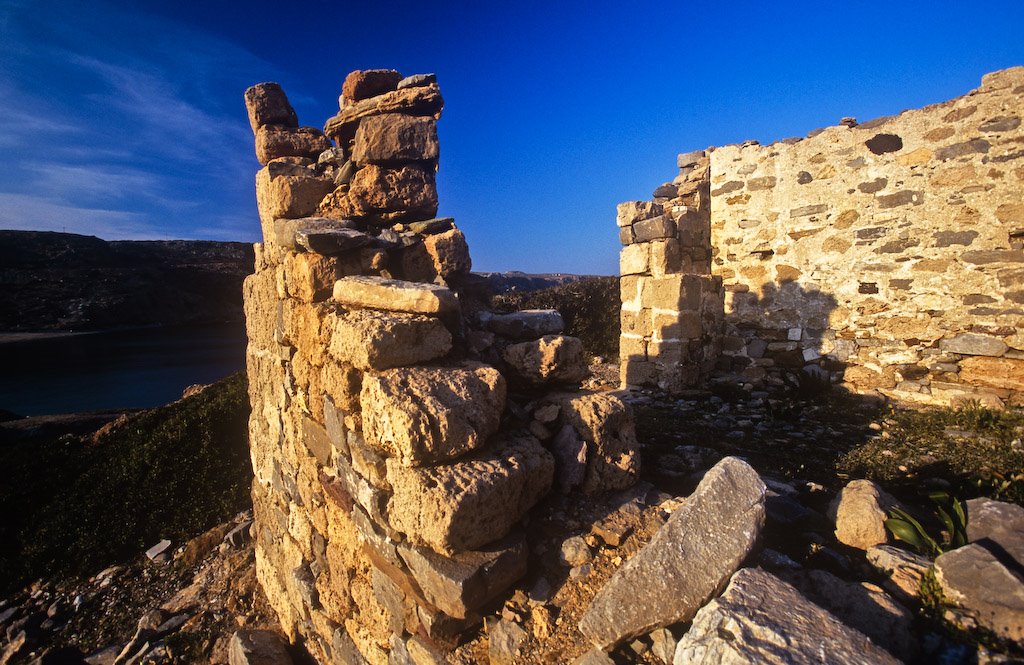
{"x": 887, "y": 255}
{"x": 399, "y": 431}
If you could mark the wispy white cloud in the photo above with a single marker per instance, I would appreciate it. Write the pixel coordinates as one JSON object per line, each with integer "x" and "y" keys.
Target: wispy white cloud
{"x": 110, "y": 134}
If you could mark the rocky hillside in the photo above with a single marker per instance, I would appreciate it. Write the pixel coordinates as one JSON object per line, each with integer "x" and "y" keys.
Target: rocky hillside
{"x": 62, "y": 281}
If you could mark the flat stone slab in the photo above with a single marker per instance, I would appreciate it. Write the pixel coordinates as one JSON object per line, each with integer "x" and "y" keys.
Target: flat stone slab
{"x": 459, "y": 584}
{"x": 472, "y": 501}
{"x": 973, "y": 578}
{"x": 394, "y": 295}
{"x": 525, "y": 324}
{"x": 426, "y": 415}
{"x": 761, "y": 619}
{"x": 688, "y": 560}
{"x": 997, "y": 525}
{"x": 329, "y": 241}
{"x": 375, "y": 340}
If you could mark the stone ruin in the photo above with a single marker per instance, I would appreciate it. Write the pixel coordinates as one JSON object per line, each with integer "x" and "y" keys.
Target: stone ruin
{"x": 400, "y": 431}
{"x": 886, "y": 256}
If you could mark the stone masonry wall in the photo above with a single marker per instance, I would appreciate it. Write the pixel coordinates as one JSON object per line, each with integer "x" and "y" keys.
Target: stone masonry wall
{"x": 399, "y": 431}
{"x": 887, "y": 255}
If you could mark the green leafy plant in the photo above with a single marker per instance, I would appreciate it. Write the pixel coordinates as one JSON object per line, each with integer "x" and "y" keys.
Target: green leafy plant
{"x": 950, "y": 513}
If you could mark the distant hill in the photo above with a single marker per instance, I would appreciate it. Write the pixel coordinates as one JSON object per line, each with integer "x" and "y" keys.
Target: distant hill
{"x": 502, "y": 282}
{"x": 62, "y": 281}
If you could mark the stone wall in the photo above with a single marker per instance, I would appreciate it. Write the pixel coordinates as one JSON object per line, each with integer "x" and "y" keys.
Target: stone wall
{"x": 887, "y": 255}
{"x": 400, "y": 431}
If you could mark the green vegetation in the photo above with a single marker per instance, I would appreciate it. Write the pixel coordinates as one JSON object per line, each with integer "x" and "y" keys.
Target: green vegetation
{"x": 978, "y": 451}
{"x": 590, "y": 308}
{"x": 948, "y": 510}
{"x": 72, "y": 506}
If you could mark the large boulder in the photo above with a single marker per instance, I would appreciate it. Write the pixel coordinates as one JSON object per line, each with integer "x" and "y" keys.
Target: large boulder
{"x": 426, "y": 415}
{"x": 859, "y": 512}
{"x": 997, "y": 525}
{"x": 550, "y": 359}
{"x": 393, "y": 137}
{"x": 605, "y": 423}
{"x": 973, "y": 578}
{"x": 394, "y": 193}
{"x": 687, "y": 562}
{"x": 472, "y": 501}
{"x": 375, "y": 340}
{"x": 761, "y": 619}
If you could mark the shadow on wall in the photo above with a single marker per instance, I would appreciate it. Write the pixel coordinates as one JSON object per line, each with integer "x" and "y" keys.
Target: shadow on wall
{"x": 780, "y": 335}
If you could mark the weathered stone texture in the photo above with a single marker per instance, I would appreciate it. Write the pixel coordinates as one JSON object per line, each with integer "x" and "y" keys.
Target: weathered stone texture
{"x": 761, "y": 619}
{"x": 393, "y": 137}
{"x": 688, "y": 560}
{"x": 426, "y": 415}
{"x": 473, "y": 501}
{"x": 872, "y": 242}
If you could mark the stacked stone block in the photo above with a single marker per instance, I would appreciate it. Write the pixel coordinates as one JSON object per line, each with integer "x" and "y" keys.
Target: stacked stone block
{"x": 399, "y": 432}
{"x": 887, "y": 256}
{"x": 671, "y": 305}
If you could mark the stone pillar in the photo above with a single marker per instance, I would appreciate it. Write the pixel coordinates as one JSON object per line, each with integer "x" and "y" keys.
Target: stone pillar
{"x": 671, "y": 305}
{"x": 389, "y": 480}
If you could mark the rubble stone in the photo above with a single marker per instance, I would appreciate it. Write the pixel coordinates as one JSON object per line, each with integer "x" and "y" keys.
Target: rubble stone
{"x": 268, "y": 105}
{"x": 550, "y": 359}
{"x": 366, "y": 83}
{"x": 273, "y": 142}
{"x": 972, "y": 577}
{"x": 394, "y": 295}
{"x": 473, "y": 501}
{"x": 393, "y": 137}
{"x": 426, "y": 415}
{"x": 688, "y": 560}
{"x": 762, "y": 619}
{"x": 859, "y": 513}
{"x": 257, "y": 647}
{"x": 524, "y": 324}
{"x": 375, "y": 340}
{"x": 605, "y": 423}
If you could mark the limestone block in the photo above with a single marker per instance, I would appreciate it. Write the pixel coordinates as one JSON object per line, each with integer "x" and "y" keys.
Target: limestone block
{"x": 524, "y": 324}
{"x": 393, "y": 137}
{"x": 974, "y": 344}
{"x": 443, "y": 255}
{"x": 459, "y": 584}
{"x": 675, "y": 292}
{"x": 635, "y": 259}
{"x": 426, "y": 415}
{"x": 655, "y": 228}
{"x": 1005, "y": 373}
{"x": 550, "y": 359}
{"x": 310, "y": 277}
{"x": 632, "y": 212}
{"x": 393, "y": 193}
{"x": 688, "y": 560}
{"x": 859, "y": 512}
{"x": 473, "y": 501}
{"x": 395, "y": 295}
{"x": 273, "y": 142}
{"x": 762, "y": 619}
{"x": 374, "y": 340}
{"x": 606, "y": 424}
{"x": 267, "y": 104}
{"x": 417, "y": 101}
{"x": 665, "y": 258}
{"x": 291, "y": 191}
{"x": 975, "y": 579}
{"x": 365, "y": 83}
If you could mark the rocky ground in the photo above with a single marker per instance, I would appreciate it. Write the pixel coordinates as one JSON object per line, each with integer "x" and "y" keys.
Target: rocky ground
{"x": 184, "y": 606}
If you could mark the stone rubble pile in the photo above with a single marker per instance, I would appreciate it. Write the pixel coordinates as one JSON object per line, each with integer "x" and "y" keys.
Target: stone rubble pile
{"x": 400, "y": 432}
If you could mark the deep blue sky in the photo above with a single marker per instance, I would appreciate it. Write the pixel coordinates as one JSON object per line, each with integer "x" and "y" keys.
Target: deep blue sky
{"x": 125, "y": 119}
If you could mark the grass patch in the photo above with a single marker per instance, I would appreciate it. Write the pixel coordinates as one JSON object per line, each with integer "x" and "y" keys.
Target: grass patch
{"x": 590, "y": 308}
{"x": 72, "y": 507}
{"x": 978, "y": 451}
